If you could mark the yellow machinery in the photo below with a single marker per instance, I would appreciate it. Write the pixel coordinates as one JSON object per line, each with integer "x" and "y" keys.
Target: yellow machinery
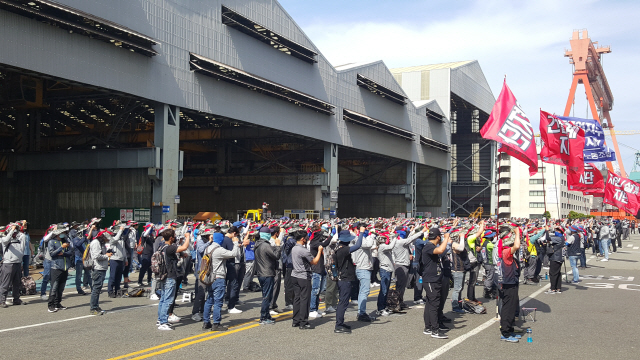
{"x": 476, "y": 214}
{"x": 253, "y": 215}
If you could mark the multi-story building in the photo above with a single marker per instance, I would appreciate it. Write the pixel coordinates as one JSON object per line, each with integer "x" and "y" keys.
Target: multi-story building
{"x": 522, "y": 195}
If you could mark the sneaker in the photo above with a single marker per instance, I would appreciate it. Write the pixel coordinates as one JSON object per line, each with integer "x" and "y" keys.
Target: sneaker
{"x": 19, "y": 302}
{"x": 81, "y": 292}
{"x": 165, "y": 327}
{"x": 315, "y": 314}
{"x": 44, "y": 297}
{"x": 239, "y": 302}
{"x": 604, "y": 260}
{"x": 342, "y": 330}
{"x": 364, "y": 318}
{"x": 234, "y": 311}
{"x": 426, "y": 331}
{"x": 550, "y": 292}
{"x": 61, "y": 307}
{"x": 459, "y": 311}
{"x": 206, "y": 325}
{"x": 86, "y": 288}
{"x": 173, "y": 319}
{"x": 439, "y": 335}
{"x": 306, "y": 327}
{"x": 276, "y": 311}
{"x": 442, "y": 327}
{"x": 575, "y": 282}
{"x": 196, "y": 317}
{"x": 95, "y": 312}
{"x": 329, "y": 310}
{"x": 100, "y": 309}
{"x": 376, "y": 284}
{"x": 509, "y": 339}
{"x": 353, "y": 302}
{"x": 273, "y": 312}
{"x": 372, "y": 285}
{"x": 52, "y": 309}
{"x": 154, "y": 297}
{"x": 516, "y": 336}
{"x": 218, "y": 327}
{"x": 267, "y": 322}
{"x": 419, "y": 302}
{"x": 288, "y": 308}
{"x": 445, "y": 319}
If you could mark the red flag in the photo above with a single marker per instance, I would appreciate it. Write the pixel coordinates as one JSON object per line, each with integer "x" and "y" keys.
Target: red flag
{"x": 510, "y": 127}
{"x": 562, "y": 143}
{"x": 590, "y": 180}
{"x": 622, "y": 193}
{"x": 595, "y": 193}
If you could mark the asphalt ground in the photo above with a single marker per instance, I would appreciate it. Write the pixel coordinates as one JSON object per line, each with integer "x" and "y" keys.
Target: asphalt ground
{"x": 595, "y": 319}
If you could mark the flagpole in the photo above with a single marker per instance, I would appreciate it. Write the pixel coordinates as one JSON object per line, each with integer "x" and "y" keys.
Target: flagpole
{"x": 544, "y": 189}
{"x": 498, "y": 186}
{"x": 555, "y": 182}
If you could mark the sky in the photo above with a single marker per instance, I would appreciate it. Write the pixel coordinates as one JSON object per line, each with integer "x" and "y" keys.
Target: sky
{"x": 524, "y": 40}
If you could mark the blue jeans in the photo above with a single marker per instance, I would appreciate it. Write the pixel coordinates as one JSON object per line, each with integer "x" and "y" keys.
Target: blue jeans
{"x": 215, "y": 297}
{"x": 385, "y": 282}
{"x": 364, "y": 276}
{"x": 80, "y": 280}
{"x": 458, "y": 282}
{"x": 168, "y": 288}
{"x": 604, "y": 248}
{"x": 573, "y": 260}
{"x": 46, "y": 276}
{"x": 583, "y": 259}
{"x": 116, "y": 268}
{"x": 266, "y": 283}
{"x": 26, "y": 259}
{"x": 318, "y": 281}
{"x": 97, "y": 277}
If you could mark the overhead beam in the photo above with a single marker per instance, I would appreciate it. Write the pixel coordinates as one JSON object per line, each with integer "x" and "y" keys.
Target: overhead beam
{"x": 85, "y": 160}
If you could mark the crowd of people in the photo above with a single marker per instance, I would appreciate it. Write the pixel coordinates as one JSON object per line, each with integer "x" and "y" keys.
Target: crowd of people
{"x": 343, "y": 259}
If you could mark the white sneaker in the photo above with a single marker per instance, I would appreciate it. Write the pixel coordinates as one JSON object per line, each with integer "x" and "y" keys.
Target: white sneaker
{"x": 354, "y": 302}
{"x": 272, "y": 312}
{"x": 44, "y": 297}
{"x": 604, "y": 260}
{"x": 196, "y": 317}
{"x": 165, "y": 327}
{"x": 376, "y": 284}
{"x": 315, "y": 314}
{"x": 419, "y": 302}
{"x": 173, "y": 319}
{"x": 372, "y": 285}
{"x": 385, "y": 313}
{"x": 154, "y": 297}
{"x": 329, "y": 310}
{"x": 234, "y": 311}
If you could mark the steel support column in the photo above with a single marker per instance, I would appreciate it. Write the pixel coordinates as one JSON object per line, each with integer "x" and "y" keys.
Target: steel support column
{"x": 330, "y": 192}
{"x": 165, "y": 179}
{"x": 410, "y": 195}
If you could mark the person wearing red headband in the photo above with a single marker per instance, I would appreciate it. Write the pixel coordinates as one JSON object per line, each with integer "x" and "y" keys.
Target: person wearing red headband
{"x": 508, "y": 290}
{"x": 100, "y": 258}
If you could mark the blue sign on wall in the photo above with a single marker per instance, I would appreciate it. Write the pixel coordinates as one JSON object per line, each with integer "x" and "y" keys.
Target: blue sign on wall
{"x": 165, "y": 208}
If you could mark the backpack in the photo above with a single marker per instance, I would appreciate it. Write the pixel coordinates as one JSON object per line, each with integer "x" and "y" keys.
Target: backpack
{"x": 205, "y": 270}
{"x": 473, "y": 307}
{"x": 159, "y": 264}
{"x": 87, "y": 260}
{"x": 28, "y": 286}
{"x": 135, "y": 292}
{"x": 393, "y": 300}
{"x": 331, "y": 263}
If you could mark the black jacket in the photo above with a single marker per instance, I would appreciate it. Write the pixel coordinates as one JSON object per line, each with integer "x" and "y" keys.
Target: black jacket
{"x": 318, "y": 240}
{"x": 266, "y": 258}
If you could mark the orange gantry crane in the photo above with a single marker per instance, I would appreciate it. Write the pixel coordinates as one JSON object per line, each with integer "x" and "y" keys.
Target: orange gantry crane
{"x": 586, "y": 58}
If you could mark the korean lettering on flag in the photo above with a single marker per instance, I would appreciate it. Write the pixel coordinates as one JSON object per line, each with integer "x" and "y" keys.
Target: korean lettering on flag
{"x": 562, "y": 142}
{"x": 594, "y": 147}
{"x": 622, "y": 193}
{"x": 510, "y": 127}
{"x": 589, "y": 180}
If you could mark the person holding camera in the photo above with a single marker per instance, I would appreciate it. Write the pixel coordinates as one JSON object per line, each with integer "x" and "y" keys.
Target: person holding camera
{"x": 100, "y": 258}
{"x": 62, "y": 253}
{"x": 13, "y": 245}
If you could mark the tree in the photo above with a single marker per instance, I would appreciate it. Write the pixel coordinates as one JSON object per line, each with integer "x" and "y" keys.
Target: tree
{"x": 547, "y": 215}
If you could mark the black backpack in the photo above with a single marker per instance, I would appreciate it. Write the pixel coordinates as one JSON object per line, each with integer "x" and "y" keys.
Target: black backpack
{"x": 393, "y": 300}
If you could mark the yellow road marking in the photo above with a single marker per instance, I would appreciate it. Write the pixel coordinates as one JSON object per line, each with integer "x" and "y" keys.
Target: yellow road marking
{"x": 207, "y": 336}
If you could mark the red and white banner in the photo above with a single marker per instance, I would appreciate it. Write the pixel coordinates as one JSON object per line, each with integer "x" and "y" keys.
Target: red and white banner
{"x": 562, "y": 143}
{"x": 590, "y": 180}
{"x": 622, "y": 193}
{"x": 510, "y": 127}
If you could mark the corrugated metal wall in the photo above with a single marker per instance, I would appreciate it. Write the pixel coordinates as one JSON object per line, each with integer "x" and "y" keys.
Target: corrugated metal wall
{"x": 228, "y": 200}
{"x": 372, "y": 205}
{"x": 46, "y": 197}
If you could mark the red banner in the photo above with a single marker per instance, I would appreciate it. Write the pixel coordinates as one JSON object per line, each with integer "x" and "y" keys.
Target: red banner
{"x": 510, "y": 127}
{"x": 622, "y": 193}
{"x": 562, "y": 143}
{"x": 590, "y": 180}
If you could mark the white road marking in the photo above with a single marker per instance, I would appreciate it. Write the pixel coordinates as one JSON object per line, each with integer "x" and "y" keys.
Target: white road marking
{"x": 592, "y": 256}
{"x": 72, "y": 319}
{"x": 636, "y": 247}
{"x": 629, "y": 245}
{"x": 453, "y": 343}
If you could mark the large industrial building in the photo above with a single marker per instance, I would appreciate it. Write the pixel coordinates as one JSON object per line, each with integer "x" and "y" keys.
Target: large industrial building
{"x": 146, "y": 109}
